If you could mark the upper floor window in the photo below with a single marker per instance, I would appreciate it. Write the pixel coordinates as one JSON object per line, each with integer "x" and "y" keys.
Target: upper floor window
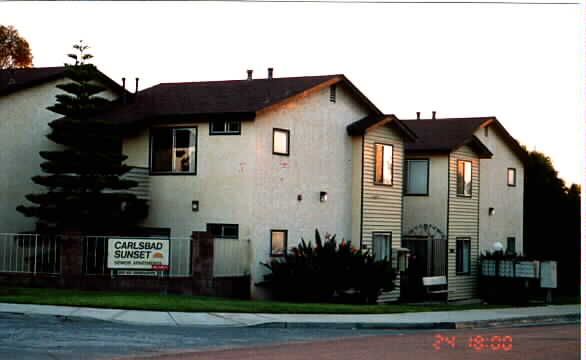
{"x": 511, "y": 177}
{"x": 281, "y": 142}
{"x": 417, "y": 177}
{"x": 464, "y": 178}
{"x": 383, "y": 171}
{"x": 225, "y": 127}
{"x": 173, "y": 150}
{"x": 223, "y": 231}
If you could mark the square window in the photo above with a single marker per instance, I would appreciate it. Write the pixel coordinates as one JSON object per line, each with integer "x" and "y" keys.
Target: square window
{"x": 173, "y": 150}
{"x": 463, "y": 255}
{"x": 280, "y": 142}
{"x": 278, "y": 242}
{"x": 464, "y": 182}
{"x": 511, "y": 177}
{"x": 223, "y": 231}
{"x": 381, "y": 244}
{"x": 383, "y": 172}
{"x": 417, "y": 172}
{"x": 225, "y": 127}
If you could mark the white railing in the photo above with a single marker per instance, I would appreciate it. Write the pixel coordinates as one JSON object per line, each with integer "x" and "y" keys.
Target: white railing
{"x": 30, "y": 253}
{"x": 231, "y": 257}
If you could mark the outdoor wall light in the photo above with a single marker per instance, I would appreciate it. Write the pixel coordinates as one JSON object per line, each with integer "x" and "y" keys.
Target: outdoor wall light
{"x": 299, "y": 197}
{"x": 195, "y": 205}
{"x": 323, "y": 196}
{"x": 491, "y": 211}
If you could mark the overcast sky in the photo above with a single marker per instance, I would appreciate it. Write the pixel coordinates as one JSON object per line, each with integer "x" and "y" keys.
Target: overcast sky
{"x": 523, "y": 64}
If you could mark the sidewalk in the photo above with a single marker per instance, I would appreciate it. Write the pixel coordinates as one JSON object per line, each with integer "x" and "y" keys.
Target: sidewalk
{"x": 421, "y": 320}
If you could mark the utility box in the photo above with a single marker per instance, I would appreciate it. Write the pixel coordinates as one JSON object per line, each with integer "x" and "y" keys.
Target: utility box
{"x": 399, "y": 259}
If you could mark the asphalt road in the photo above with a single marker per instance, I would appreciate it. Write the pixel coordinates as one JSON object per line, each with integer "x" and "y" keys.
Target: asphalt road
{"x": 47, "y": 337}
{"x": 40, "y": 337}
{"x": 535, "y": 343}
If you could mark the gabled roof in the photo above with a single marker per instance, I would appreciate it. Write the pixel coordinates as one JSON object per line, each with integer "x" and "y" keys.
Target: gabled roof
{"x": 12, "y": 80}
{"x": 446, "y": 135}
{"x": 359, "y": 127}
{"x": 205, "y": 100}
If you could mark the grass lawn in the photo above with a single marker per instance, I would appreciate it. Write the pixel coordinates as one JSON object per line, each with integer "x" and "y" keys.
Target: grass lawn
{"x": 153, "y": 301}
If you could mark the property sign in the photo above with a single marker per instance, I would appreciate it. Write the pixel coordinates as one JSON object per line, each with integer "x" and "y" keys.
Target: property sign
{"x": 151, "y": 254}
{"x": 549, "y": 275}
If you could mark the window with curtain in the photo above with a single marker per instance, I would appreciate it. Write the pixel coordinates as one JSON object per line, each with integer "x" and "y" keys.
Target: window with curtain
{"x": 173, "y": 150}
{"x": 417, "y": 172}
{"x": 381, "y": 244}
{"x": 464, "y": 178}
{"x": 383, "y": 172}
{"x": 463, "y": 255}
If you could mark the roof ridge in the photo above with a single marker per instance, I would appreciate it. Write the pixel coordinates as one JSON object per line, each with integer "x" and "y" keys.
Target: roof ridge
{"x": 245, "y": 80}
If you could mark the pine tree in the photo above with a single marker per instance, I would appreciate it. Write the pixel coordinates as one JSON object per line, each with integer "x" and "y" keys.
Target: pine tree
{"x": 80, "y": 178}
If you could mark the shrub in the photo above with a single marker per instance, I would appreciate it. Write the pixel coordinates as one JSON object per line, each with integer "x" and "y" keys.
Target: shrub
{"x": 326, "y": 270}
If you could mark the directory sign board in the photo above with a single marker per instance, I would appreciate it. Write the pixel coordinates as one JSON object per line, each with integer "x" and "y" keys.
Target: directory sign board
{"x": 152, "y": 254}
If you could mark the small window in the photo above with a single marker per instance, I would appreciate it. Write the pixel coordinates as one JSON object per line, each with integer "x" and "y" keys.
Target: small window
{"x": 280, "y": 142}
{"x": 173, "y": 150}
{"x": 381, "y": 244}
{"x": 464, "y": 178}
{"x": 383, "y": 173}
{"x": 511, "y": 248}
{"x": 333, "y": 93}
{"x": 225, "y": 127}
{"x": 486, "y": 131}
{"x": 511, "y": 177}
{"x": 224, "y": 231}
{"x": 278, "y": 242}
{"x": 417, "y": 172}
{"x": 462, "y": 255}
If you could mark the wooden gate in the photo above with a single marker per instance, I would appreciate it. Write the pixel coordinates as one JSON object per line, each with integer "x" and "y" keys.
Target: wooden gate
{"x": 428, "y": 257}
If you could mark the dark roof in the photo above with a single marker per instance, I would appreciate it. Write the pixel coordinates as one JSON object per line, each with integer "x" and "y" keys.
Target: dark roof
{"x": 12, "y": 80}
{"x": 222, "y": 98}
{"x": 359, "y": 127}
{"x": 446, "y": 135}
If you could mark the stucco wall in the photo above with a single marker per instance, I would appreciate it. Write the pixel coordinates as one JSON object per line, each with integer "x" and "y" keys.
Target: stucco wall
{"x": 430, "y": 209}
{"x": 507, "y": 201}
{"x": 320, "y": 160}
{"x": 24, "y": 120}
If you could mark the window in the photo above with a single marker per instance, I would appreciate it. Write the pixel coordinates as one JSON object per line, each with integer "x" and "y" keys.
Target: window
{"x": 511, "y": 177}
{"x": 417, "y": 182}
{"x": 511, "y": 249}
{"x": 333, "y": 93}
{"x": 173, "y": 150}
{"x": 464, "y": 178}
{"x": 278, "y": 242}
{"x": 463, "y": 255}
{"x": 381, "y": 244}
{"x": 225, "y": 127}
{"x": 486, "y": 131}
{"x": 383, "y": 173}
{"x": 280, "y": 142}
{"x": 224, "y": 231}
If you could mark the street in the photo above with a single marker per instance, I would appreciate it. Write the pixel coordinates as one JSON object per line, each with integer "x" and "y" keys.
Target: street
{"x": 35, "y": 337}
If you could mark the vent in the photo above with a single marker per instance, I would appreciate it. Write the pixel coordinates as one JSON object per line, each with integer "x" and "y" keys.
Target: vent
{"x": 333, "y": 93}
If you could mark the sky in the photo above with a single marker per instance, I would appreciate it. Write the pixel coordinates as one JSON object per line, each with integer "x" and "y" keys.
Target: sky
{"x": 523, "y": 64}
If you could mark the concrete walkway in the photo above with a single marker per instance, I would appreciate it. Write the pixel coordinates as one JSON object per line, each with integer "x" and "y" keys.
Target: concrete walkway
{"x": 421, "y": 320}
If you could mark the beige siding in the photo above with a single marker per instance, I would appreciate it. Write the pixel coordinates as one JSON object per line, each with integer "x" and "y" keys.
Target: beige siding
{"x": 463, "y": 222}
{"x": 382, "y": 204}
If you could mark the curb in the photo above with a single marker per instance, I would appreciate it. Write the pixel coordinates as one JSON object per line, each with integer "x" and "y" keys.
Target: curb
{"x": 529, "y": 320}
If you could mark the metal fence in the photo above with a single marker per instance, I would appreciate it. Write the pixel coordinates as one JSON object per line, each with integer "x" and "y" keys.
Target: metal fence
{"x": 231, "y": 257}
{"x": 30, "y": 253}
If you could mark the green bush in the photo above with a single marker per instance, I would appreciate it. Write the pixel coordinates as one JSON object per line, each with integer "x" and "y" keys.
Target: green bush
{"x": 326, "y": 271}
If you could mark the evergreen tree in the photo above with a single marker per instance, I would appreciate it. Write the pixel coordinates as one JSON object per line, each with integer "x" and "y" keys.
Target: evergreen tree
{"x": 84, "y": 189}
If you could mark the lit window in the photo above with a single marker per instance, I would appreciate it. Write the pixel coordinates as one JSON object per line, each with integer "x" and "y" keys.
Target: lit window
{"x": 464, "y": 178}
{"x": 278, "y": 242}
{"x": 417, "y": 177}
{"x": 463, "y": 255}
{"x": 173, "y": 150}
{"x": 224, "y": 231}
{"x": 280, "y": 142}
{"x": 383, "y": 173}
{"x": 512, "y": 177}
{"x": 381, "y": 244}
{"x": 225, "y": 127}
